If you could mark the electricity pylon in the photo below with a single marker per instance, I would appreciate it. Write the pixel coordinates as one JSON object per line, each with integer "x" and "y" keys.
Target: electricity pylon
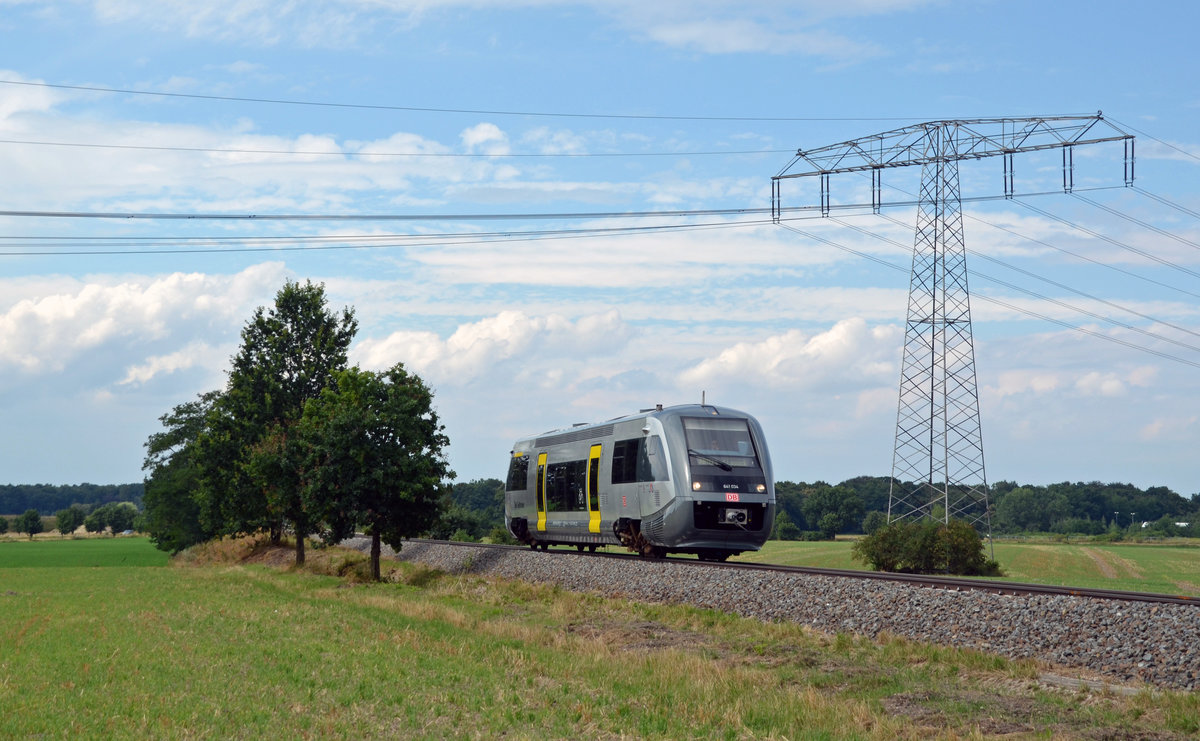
{"x": 937, "y": 462}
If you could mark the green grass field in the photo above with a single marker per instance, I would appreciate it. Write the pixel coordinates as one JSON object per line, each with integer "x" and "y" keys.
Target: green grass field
{"x": 97, "y": 552}
{"x": 1164, "y": 568}
{"x": 234, "y": 649}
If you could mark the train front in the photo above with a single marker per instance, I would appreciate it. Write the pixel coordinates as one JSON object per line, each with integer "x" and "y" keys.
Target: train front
{"x": 727, "y": 492}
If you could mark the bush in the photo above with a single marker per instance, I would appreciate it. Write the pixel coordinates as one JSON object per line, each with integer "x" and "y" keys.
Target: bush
{"x": 926, "y": 547}
{"x": 501, "y": 536}
{"x": 785, "y": 529}
{"x": 873, "y": 521}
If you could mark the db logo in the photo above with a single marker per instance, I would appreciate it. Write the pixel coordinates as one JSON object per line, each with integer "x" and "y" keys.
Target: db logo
{"x": 731, "y": 496}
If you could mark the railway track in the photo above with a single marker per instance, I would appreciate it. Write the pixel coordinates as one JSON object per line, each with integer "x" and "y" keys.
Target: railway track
{"x": 950, "y": 583}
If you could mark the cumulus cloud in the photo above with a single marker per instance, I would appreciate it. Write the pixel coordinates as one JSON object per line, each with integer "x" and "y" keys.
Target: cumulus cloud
{"x": 1096, "y": 383}
{"x": 849, "y": 349}
{"x": 114, "y": 320}
{"x": 195, "y": 353}
{"x": 476, "y": 349}
{"x": 485, "y": 138}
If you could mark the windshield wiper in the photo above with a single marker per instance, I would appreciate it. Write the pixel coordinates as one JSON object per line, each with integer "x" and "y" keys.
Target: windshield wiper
{"x": 715, "y": 461}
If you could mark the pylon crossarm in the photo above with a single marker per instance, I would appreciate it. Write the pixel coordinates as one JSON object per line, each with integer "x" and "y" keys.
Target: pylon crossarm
{"x": 974, "y": 138}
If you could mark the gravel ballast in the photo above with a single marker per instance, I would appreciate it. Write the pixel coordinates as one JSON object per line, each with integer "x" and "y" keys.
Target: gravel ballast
{"x": 1126, "y": 641}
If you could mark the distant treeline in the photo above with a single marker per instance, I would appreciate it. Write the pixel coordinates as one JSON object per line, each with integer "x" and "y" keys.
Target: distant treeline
{"x": 1088, "y": 508}
{"x": 48, "y": 499}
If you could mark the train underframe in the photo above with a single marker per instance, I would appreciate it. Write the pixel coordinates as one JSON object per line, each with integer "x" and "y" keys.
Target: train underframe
{"x": 711, "y": 531}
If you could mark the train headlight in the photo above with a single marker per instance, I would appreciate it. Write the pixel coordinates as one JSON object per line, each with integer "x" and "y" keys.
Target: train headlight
{"x": 696, "y": 486}
{"x": 762, "y": 489}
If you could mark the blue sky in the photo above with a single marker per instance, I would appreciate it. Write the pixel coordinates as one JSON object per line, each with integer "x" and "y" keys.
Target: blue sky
{"x": 454, "y": 108}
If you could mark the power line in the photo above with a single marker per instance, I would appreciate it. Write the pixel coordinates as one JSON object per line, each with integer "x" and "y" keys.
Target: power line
{"x": 1043, "y": 297}
{"x": 328, "y": 243}
{"x": 1064, "y": 251}
{"x": 318, "y": 153}
{"x": 1160, "y": 141}
{"x": 1056, "y": 284}
{"x": 1168, "y": 203}
{"x": 1004, "y": 304}
{"x": 1110, "y": 240}
{"x": 544, "y": 216}
{"x": 1139, "y": 222}
{"x": 424, "y": 109}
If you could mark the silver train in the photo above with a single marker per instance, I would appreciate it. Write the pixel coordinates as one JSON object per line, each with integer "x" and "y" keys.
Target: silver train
{"x": 685, "y": 479}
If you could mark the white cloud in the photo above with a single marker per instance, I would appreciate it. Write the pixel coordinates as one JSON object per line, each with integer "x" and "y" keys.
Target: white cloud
{"x": 848, "y": 351}
{"x": 108, "y": 321}
{"x": 1169, "y": 429}
{"x": 194, "y": 354}
{"x": 485, "y": 138}
{"x": 476, "y": 349}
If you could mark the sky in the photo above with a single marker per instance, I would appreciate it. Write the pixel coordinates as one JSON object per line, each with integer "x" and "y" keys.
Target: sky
{"x": 557, "y": 211}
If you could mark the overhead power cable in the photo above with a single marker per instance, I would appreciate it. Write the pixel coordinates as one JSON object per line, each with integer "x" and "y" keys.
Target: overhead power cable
{"x": 1056, "y": 248}
{"x": 1056, "y": 284}
{"x": 1043, "y": 297}
{"x": 349, "y": 154}
{"x": 427, "y": 109}
{"x": 1167, "y": 202}
{"x": 1139, "y": 222}
{"x": 147, "y": 215}
{"x": 1110, "y": 240}
{"x": 1155, "y": 138}
{"x": 1011, "y": 307}
{"x": 388, "y": 241}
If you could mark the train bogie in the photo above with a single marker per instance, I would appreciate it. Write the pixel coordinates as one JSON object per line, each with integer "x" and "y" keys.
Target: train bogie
{"x": 686, "y": 479}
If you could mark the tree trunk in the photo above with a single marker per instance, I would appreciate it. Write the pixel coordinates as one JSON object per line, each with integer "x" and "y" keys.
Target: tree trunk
{"x": 299, "y": 549}
{"x": 375, "y": 555}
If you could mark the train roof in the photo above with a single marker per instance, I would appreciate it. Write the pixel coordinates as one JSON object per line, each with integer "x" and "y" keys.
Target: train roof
{"x": 658, "y": 411}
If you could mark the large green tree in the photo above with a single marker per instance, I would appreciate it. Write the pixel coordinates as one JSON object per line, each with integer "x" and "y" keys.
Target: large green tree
{"x": 375, "y": 458}
{"x": 69, "y": 519}
{"x": 171, "y": 512}
{"x": 833, "y": 509}
{"x": 289, "y": 353}
{"x": 30, "y": 522}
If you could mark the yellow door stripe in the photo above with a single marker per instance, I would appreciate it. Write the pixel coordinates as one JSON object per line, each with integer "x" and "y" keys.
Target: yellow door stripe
{"x": 541, "y": 492}
{"x": 593, "y": 496}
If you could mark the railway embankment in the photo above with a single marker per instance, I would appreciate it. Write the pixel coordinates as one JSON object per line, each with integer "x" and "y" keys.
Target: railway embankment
{"x": 1125, "y": 642}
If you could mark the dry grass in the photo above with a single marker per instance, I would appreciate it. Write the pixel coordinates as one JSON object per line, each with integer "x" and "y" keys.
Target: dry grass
{"x": 244, "y": 644}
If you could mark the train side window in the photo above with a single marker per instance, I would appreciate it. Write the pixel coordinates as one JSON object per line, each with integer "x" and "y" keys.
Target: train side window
{"x": 565, "y": 488}
{"x": 651, "y": 464}
{"x": 518, "y": 474}
{"x": 638, "y": 460}
{"x": 624, "y": 461}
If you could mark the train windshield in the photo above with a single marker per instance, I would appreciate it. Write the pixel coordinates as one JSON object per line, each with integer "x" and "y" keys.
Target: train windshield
{"x": 721, "y": 442}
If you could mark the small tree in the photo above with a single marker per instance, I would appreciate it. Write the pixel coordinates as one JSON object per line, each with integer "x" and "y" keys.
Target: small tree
{"x": 873, "y": 521}
{"x": 97, "y": 521}
{"x": 926, "y": 547}
{"x": 3, "y": 525}
{"x": 30, "y": 522}
{"x": 120, "y": 516}
{"x": 785, "y": 529}
{"x": 375, "y": 458}
{"x": 68, "y": 520}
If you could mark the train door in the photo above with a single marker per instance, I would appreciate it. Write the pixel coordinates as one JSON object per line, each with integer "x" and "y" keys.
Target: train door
{"x": 541, "y": 493}
{"x": 593, "y": 490}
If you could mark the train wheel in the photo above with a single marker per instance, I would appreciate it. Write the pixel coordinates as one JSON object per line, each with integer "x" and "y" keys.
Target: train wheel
{"x": 580, "y": 547}
{"x": 544, "y": 546}
{"x": 591, "y": 549}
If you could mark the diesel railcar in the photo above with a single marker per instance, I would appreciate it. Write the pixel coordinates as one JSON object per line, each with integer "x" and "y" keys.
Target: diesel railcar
{"x": 685, "y": 479}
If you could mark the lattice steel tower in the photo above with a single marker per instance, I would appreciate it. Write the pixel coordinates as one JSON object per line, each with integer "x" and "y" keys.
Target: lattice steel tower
{"x": 937, "y": 462}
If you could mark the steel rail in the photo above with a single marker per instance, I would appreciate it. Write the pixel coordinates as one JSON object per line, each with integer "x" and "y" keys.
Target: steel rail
{"x": 950, "y": 583}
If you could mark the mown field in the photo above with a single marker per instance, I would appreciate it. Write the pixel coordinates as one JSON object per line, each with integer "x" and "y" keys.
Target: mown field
{"x": 1169, "y": 568}
{"x": 235, "y": 644}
